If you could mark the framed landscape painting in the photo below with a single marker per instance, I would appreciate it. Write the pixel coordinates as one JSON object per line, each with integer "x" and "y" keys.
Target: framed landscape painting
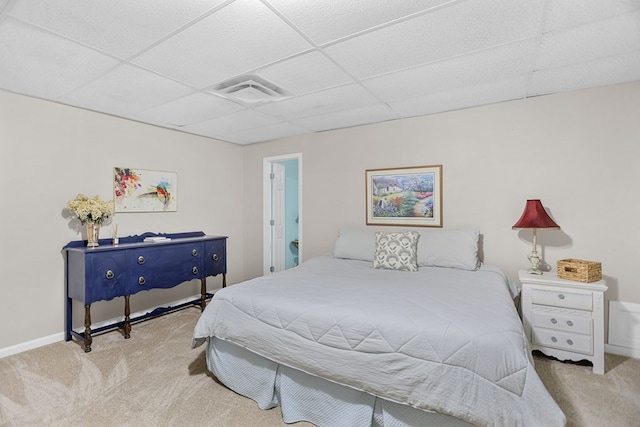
{"x": 140, "y": 190}
{"x": 405, "y": 196}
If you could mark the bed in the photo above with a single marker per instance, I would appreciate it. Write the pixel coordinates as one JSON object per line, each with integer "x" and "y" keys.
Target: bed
{"x": 393, "y": 329}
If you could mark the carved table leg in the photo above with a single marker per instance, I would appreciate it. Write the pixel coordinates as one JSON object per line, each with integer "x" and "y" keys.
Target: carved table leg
{"x": 203, "y": 293}
{"x": 87, "y": 328}
{"x": 127, "y": 320}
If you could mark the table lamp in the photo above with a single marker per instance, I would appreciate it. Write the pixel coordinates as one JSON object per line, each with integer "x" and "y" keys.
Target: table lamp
{"x": 534, "y": 217}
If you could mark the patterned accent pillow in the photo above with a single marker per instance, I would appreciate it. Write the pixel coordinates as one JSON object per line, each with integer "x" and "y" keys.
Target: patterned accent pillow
{"x": 396, "y": 251}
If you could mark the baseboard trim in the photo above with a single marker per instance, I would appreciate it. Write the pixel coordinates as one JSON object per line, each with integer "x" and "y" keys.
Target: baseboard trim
{"x": 57, "y": 337}
{"x": 30, "y": 345}
{"x": 51, "y": 339}
{"x": 622, "y": 351}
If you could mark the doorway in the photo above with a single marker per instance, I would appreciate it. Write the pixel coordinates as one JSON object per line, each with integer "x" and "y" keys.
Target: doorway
{"x": 282, "y": 217}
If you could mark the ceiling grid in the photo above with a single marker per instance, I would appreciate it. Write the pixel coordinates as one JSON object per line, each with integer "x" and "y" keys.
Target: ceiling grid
{"x": 308, "y": 66}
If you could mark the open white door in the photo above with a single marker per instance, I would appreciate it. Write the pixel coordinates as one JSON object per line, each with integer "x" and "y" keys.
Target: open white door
{"x": 275, "y": 221}
{"x": 277, "y": 216}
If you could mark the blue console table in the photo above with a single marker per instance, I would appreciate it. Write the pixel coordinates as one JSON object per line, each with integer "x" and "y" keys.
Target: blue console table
{"x": 109, "y": 271}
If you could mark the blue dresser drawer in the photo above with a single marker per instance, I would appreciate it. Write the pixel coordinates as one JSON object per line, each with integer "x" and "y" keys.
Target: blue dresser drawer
{"x": 159, "y": 266}
{"x": 215, "y": 259}
{"x": 106, "y": 276}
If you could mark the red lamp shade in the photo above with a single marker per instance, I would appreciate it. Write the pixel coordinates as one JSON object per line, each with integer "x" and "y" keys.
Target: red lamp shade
{"x": 534, "y": 216}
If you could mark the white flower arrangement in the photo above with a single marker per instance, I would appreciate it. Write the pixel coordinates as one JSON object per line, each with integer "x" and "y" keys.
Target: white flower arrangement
{"x": 90, "y": 210}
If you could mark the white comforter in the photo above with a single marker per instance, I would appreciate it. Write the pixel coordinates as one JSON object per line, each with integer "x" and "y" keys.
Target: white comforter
{"x": 439, "y": 339}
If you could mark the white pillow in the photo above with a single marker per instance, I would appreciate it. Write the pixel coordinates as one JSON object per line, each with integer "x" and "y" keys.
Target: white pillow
{"x": 354, "y": 243}
{"x": 396, "y": 251}
{"x": 454, "y": 249}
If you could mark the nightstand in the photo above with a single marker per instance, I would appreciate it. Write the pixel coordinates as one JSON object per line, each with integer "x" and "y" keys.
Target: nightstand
{"x": 563, "y": 318}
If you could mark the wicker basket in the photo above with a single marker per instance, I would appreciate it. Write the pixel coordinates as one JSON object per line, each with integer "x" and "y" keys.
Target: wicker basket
{"x": 579, "y": 270}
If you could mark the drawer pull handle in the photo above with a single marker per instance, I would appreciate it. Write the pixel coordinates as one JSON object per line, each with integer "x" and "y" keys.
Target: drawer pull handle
{"x": 109, "y": 274}
{"x": 194, "y": 252}
{"x": 141, "y": 280}
{"x": 195, "y": 270}
{"x": 569, "y": 322}
{"x": 554, "y": 321}
{"x": 570, "y": 342}
{"x": 561, "y": 296}
{"x": 554, "y": 339}
{"x": 140, "y": 260}
{"x": 215, "y": 257}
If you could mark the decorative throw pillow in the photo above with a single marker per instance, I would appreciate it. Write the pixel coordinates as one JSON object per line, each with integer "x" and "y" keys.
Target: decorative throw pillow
{"x": 396, "y": 251}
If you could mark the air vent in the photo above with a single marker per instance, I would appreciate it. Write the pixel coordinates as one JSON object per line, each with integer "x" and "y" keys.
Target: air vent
{"x": 250, "y": 89}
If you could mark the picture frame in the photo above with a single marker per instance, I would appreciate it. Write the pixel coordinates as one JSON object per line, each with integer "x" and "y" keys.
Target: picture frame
{"x": 141, "y": 190}
{"x": 407, "y": 196}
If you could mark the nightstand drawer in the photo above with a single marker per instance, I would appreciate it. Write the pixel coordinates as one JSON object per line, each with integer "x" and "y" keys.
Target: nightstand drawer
{"x": 563, "y": 340}
{"x": 562, "y": 299}
{"x": 545, "y": 318}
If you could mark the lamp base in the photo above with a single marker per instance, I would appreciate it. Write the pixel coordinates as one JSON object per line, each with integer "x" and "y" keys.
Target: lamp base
{"x": 534, "y": 259}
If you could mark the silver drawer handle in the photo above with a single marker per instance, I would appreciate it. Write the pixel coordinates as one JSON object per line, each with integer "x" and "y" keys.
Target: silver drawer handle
{"x": 141, "y": 280}
{"x": 109, "y": 274}
{"x": 554, "y": 339}
{"x": 194, "y": 252}
{"x": 554, "y": 321}
{"x": 561, "y": 296}
{"x": 570, "y": 342}
{"x": 215, "y": 257}
{"x": 195, "y": 270}
{"x": 140, "y": 260}
{"x": 569, "y": 322}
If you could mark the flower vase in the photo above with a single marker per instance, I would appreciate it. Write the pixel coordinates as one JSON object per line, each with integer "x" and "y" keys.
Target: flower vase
{"x": 93, "y": 234}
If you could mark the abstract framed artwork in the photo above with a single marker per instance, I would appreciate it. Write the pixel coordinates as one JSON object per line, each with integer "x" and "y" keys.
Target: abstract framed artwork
{"x": 140, "y": 190}
{"x": 410, "y": 196}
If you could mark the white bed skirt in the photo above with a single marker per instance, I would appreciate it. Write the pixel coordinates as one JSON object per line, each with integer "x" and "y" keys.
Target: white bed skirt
{"x": 304, "y": 397}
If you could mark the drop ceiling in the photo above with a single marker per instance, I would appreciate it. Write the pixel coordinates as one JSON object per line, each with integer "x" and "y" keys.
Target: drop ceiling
{"x": 248, "y": 71}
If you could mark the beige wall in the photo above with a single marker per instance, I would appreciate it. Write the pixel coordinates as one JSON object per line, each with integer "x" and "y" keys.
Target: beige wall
{"x": 578, "y": 152}
{"x": 48, "y": 154}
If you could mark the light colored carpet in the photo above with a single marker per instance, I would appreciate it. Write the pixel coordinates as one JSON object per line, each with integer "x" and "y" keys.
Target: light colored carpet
{"x": 156, "y": 379}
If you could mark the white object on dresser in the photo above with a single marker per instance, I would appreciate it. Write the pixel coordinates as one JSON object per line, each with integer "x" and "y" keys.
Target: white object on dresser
{"x": 563, "y": 318}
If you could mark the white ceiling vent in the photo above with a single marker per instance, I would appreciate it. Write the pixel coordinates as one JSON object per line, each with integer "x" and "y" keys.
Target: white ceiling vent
{"x": 251, "y": 89}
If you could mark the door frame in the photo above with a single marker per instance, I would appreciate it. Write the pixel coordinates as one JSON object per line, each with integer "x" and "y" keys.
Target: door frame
{"x": 267, "y": 205}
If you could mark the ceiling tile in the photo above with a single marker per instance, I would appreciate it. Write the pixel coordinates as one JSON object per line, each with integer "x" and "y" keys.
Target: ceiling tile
{"x": 236, "y": 39}
{"x": 306, "y": 73}
{"x": 610, "y": 37}
{"x": 232, "y": 123}
{"x": 119, "y": 27}
{"x": 266, "y": 133}
{"x": 505, "y": 61}
{"x": 466, "y": 27}
{"x": 605, "y": 71}
{"x": 126, "y": 90}
{"x": 336, "y": 99}
{"x": 348, "y": 118}
{"x": 40, "y": 64}
{"x": 464, "y": 97}
{"x": 193, "y": 108}
{"x": 318, "y": 21}
{"x": 570, "y": 13}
